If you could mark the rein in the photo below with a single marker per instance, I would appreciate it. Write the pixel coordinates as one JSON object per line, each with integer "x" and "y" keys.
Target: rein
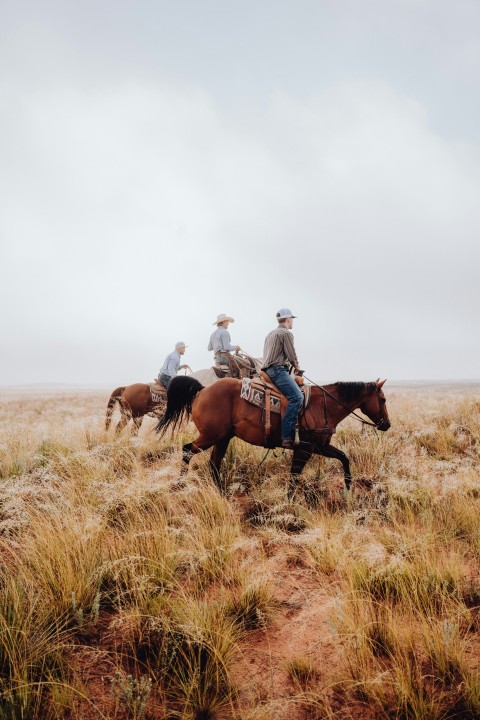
{"x": 351, "y": 412}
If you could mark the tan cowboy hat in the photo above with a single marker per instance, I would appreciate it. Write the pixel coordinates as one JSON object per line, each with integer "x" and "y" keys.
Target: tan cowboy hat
{"x": 221, "y": 318}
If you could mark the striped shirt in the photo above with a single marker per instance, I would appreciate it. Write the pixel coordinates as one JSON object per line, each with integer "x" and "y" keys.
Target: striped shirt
{"x": 171, "y": 364}
{"x": 220, "y": 341}
{"x": 279, "y": 348}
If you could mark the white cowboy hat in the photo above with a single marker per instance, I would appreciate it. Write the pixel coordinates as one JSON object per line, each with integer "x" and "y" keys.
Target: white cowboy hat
{"x": 221, "y": 318}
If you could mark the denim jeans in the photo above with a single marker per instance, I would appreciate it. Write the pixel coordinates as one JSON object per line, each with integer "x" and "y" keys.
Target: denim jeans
{"x": 287, "y": 385}
{"x": 221, "y": 360}
{"x": 165, "y": 379}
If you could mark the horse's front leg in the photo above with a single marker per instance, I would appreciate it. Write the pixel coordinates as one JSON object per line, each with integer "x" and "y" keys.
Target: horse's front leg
{"x": 332, "y": 452}
{"x": 300, "y": 459}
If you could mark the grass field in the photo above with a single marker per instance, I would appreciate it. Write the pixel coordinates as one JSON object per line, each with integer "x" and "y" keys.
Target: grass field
{"x": 128, "y": 593}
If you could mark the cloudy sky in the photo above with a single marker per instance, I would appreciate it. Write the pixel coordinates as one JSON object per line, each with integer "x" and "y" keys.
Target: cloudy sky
{"x": 164, "y": 162}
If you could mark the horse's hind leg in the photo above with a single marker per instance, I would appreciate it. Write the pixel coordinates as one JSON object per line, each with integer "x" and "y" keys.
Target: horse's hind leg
{"x": 218, "y": 453}
{"x": 191, "y": 449}
{"x": 124, "y": 418}
{"x": 137, "y": 424}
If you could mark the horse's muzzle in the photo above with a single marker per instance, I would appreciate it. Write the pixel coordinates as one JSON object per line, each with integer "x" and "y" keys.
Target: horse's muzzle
{"x": 383, "y": 425}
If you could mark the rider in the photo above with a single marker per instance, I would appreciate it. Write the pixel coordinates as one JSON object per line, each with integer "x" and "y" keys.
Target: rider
{"x": 171, "y": 365}
{"x": 221, "y": 344}
{"x": 278, "y": 356}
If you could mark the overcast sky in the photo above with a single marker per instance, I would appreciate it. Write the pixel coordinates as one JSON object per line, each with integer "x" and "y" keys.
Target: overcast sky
{"x": 164, "y": 162}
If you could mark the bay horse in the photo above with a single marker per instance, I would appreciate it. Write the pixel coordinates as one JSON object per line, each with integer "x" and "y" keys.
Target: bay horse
{"x": 220, "y": 414}
{"x": 135, "y": 401}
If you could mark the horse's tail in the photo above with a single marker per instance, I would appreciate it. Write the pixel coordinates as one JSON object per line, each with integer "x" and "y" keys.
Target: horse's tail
{"x": 114, "y": 397}
{"x": 181, "y": 393}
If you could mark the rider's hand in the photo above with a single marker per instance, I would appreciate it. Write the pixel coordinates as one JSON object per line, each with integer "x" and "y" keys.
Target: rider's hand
{"x": 299, "y": 372}
{"x": 238, "y": 348}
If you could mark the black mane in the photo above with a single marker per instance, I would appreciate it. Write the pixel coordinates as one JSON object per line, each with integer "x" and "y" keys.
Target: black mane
{"x": 351, "y": 391}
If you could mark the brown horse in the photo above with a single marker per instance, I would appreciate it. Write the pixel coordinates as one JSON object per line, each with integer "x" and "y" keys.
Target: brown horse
{"x": 135, "y": 401}
{"x": 220, "y": 414}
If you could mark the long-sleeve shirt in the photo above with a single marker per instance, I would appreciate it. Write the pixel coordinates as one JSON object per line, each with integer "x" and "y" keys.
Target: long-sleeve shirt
{"x": 279, "y": 348}
{"x": 171, "y": 364}
{"x": 220, "y": 341}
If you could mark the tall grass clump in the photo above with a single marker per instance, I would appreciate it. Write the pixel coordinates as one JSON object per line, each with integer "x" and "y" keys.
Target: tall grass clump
{"x": 370, "y": 453}
{"x": 251, "y": 606}
{"x": 32, "y": 648}
{"x": 187, "y": 649}
{"x": 211, "y": 528}
{"x": 61, "y": 556}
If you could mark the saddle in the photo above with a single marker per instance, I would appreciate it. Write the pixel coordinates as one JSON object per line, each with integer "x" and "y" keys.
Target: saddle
{"x": 221, "y": 371}
{"x": 158, "y": 392}
{"x": 260, "y": 391}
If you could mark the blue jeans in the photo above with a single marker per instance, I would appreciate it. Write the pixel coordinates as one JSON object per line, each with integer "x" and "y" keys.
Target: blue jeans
{"x": 287, "y": 385}
{"x": 165, "y": 379}
{"x": 221, "y": 360}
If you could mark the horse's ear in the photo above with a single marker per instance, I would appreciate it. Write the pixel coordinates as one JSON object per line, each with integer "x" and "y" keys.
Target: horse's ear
{"x": 381, "y": 384}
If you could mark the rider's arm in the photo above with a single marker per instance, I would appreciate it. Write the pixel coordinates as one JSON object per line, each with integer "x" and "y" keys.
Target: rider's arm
{"x": 289, "y": 349}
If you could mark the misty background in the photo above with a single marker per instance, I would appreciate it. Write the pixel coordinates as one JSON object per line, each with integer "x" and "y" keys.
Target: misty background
{"x": 164, "y": 162}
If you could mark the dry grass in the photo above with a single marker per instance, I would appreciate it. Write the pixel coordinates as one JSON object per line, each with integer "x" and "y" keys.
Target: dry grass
{"x": 174, "y": 588}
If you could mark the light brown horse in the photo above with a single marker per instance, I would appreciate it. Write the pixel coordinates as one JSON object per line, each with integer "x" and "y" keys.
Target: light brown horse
{"x": 220, "y": 414}
{"x": 135, "y": 401}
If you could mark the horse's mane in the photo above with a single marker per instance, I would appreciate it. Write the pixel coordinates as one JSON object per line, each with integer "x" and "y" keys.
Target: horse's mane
{"x": 350, "y": 391}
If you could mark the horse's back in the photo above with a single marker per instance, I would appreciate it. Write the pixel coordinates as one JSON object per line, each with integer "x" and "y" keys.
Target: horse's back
{"x": 219, "y": 394}
{"x": 137, "y": 395}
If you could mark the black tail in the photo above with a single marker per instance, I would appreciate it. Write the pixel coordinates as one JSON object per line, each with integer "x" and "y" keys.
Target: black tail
{"x": 181, "y": 392}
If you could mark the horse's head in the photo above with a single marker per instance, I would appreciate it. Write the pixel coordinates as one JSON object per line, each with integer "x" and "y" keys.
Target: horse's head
{"x": 374, "y": 405}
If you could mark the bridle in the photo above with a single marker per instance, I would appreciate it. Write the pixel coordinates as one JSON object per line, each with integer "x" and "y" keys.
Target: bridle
{"x": 377, "y": 425}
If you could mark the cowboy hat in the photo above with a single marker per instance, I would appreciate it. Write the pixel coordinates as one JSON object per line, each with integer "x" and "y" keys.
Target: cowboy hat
{"x": 179, "y": 345}
{"x": 221, "y": 318}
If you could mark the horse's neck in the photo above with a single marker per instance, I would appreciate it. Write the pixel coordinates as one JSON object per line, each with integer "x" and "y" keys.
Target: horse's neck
{"x": 329, "y": 406}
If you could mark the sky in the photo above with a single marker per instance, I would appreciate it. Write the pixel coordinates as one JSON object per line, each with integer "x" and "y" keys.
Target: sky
{"x": 165, "y": 162}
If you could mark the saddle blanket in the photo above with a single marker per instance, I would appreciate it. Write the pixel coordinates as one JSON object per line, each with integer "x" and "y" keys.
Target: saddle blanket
{"x": 254, "y": 394}
{"x": 158, "y": 392}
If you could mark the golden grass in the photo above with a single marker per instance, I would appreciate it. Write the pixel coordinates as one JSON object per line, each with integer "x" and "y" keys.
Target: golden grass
{"x": 104, "y": 547}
